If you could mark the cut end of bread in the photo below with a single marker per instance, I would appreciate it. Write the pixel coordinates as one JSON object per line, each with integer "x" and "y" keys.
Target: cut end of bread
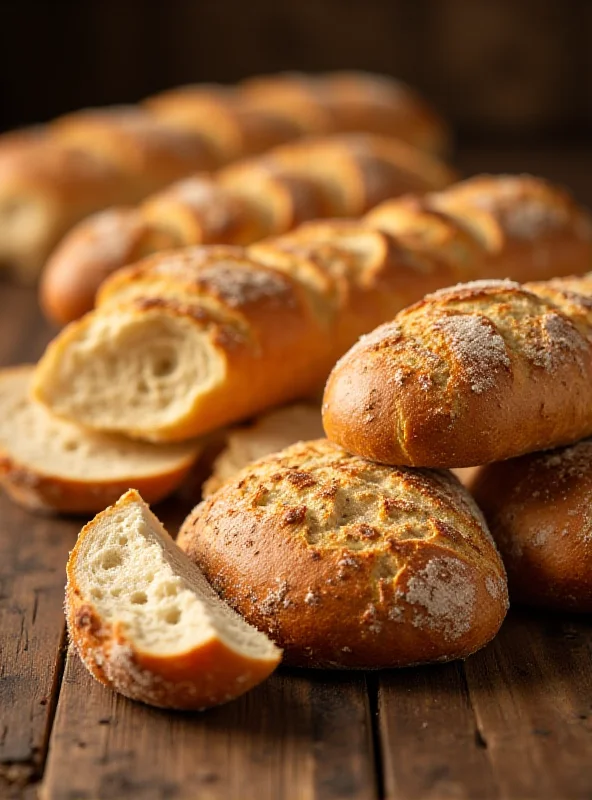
{"x": 146, "y": 622}
{"x": 49, "y": 464}
{"x": 139, "y": 371}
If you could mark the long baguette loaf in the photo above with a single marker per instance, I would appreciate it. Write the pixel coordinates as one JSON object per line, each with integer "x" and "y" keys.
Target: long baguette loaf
{"x": 140, "y": 149}
{"x": 188, "y": 341}
{"x": 332, "y": 177}
{"x": 473, "y": 374}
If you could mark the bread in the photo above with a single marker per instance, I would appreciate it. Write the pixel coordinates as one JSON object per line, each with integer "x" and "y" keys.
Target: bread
{"x": 538, "y": 508}
{"x": 47, "y": 464}
{"x": 195, "y": 339}
{"x": 269, "y": 195}
{"x": 45, "y": 188}
{"x": 139, "y": 149}
{"x": 477, "y": 373}
{"x": 345, "y": 563}
{"x": 502, "y": 226}
{"x": 267, "y": 434}
{"x": 350, "y": 101}
{"x": 145, "y": 621}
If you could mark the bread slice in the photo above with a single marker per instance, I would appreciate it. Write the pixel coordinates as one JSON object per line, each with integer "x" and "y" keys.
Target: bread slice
{"x": 267, "y": 434}
{"x": 49, "y": 464}
{"x": 146, "y": 622}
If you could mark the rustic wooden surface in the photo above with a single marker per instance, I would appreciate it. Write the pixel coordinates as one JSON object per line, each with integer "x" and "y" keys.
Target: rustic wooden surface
{"x": 512, "y": 722}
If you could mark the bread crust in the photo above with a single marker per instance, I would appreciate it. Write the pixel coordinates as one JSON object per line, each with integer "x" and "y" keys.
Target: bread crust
{"x": 473, "y": 374}
{"x": 538, "y": 511}
{"x": 345, "y": 563}
{"x": 205, "y": 676}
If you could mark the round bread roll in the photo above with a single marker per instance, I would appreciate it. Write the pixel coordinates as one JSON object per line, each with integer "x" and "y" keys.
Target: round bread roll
{"x": 347, "y": 563}
{"x": 539, "y": 508}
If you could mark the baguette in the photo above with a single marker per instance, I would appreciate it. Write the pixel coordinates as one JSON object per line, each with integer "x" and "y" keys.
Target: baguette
{"x": 146, "y": 623}
{"x": 345, "y": 563}
{"x": 477, "y": 373}
{"x": 195, "y": 339}
{"x": 338, "y": 176}
{"x": 268, "y": 434}
{"x": 50, "y": 465}
{"x": 140, "y": 149}
{"x": 538, "y": 509}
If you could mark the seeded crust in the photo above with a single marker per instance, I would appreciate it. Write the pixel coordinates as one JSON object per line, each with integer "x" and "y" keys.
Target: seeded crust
{"x": 477, "y": 373}
{"x": 345, "y": 563}
{"x": 539, "y": 511}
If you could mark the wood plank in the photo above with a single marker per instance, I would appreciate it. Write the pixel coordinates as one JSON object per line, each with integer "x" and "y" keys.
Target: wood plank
{"x": 431, "y": 747}
{"x": 300, "y": 735}
{"x": 531, "y": 690}
{"x": 32, "y": 559}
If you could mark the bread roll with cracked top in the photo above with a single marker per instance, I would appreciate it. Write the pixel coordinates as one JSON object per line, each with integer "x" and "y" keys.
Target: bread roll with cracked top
{"x": 539, "y": 510}
{"x": 476, "y": 373}
{"x": 346, "y": 563}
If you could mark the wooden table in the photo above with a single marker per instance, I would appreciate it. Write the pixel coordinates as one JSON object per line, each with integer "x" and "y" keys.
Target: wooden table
{"x": 513, "y": 721}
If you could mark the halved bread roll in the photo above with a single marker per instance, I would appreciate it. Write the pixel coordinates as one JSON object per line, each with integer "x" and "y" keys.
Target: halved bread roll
{"x": 145, "y": 621}
{"x": 346, "y": 563}
{"x": 47, "y": 464}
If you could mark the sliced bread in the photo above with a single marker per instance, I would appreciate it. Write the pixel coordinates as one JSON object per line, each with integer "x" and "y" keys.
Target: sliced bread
{"x": 49, "y": 464}
{"x": 145, "y": 621}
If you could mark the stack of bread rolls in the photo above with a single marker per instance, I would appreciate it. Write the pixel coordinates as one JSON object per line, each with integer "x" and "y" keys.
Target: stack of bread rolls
{"x": 54, "y": 175}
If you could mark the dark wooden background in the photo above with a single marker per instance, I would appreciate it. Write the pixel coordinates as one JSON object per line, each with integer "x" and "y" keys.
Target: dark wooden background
{"x": 509, "y": 69}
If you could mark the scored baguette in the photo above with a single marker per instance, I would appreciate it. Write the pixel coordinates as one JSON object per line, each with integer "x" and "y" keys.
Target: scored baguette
{"x": 335, "y": 176}
{"x": 191, "y": 340}
{"x": 47, "y": 464}
{"x": 135, "y": 150}
{"x": 346, "y": 563}
{"x": 145, "y": 621}
{"x": 473, "y": 374}
{"x": 538, "y": 508}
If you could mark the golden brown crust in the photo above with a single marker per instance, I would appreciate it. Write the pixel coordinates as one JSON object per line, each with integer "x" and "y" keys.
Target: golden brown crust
{"x": 345, "y": 563}
{"x": 472, "y": 374}
{"x": 539, "y": 511}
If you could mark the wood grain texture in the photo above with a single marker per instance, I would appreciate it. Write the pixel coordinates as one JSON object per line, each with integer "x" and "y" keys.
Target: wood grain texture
{"x": 531, "y": 691}
{"x": 32, "y": 576}
{"x": 298, "y": 736}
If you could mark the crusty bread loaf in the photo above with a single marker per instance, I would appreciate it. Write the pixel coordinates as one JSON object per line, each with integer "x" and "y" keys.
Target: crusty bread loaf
{"x": 145, "y": 621}
{"x": 336, "y": 176}
{"x": 268, "y": 434}
{"x": 345, "y": 563}
{"x": 140, "y": 149}
{"x": 477, "y": 373}
{"x": 47, "y": 464}
{"x": 539, "y": 509}
{"x": 195, "y": 339}
{"x": 350, "y": 101}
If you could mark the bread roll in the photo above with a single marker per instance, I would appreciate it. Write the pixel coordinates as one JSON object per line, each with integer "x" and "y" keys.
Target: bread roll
{"x": 256, "y": 198}
{"x": 345, "y": 563}
{"x": 477, "y": 373}
{"x": 49, "y": 465}
{"x": 244, "y": 330}
{"x": 539, "y": 511}
{"x": 145, "y": 621}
